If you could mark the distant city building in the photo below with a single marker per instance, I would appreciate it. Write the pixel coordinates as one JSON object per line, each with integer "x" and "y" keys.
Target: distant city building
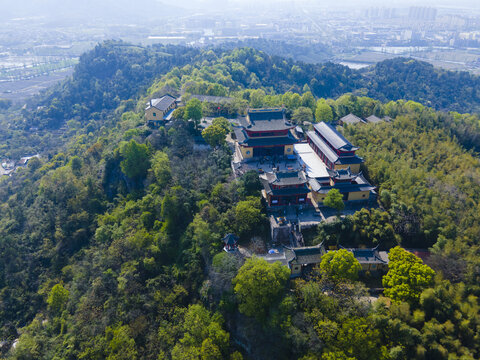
{"x": 422, "y": 13}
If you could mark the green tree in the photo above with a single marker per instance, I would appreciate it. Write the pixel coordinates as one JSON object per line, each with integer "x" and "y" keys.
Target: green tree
{"x": 76, "y": 165}
{"x": 323, "y": 112}
{"x": 407, "y": 276}
{"x": 210, "y": 351}
{"x": 223, "y": 122}
{"x": 120, "y": 346}
{"x": 58, "y": 298}
{"x": 258, "y": 285}
{"x": 334, "y": 199}
{"x": 179, "y": 113}
{"x": 161, "y": 168}
{"x": 203, "y": 337}
{"x": 358, "y": 339}
{"x": 214, "y": 135}
{"x": 135, "y": 161}
{"x": 302, "y": 114}
{"x": 193, "y": 111}
{"x": 308, "y": 100}
{"x": 340, "y": 265}
{"x": 248, "y": 216}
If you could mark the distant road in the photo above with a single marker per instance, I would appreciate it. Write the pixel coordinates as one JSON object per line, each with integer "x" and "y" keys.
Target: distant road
{"x": 19, "y": 90}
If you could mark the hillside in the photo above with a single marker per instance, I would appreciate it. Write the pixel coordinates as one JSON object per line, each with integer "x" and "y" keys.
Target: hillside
{"x": 110, "y": 243}
{"x": 409, "y": 79}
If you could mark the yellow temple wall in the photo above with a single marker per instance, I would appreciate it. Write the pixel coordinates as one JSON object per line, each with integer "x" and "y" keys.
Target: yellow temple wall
{"x": 288, "y": 150}
{"x": 359, "y": 195}
{"x": 354, "y": 168}
{"x": 247, "y": 152}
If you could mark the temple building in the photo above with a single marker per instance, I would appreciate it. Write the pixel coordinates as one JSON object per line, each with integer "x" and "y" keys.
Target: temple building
{"x": 351, "y": 186}
{"x": 305, "y": 258}
{"x": 333, "y": 149}
{"x": 265, "y": 132}
{"x": 158, "y": 111}
{"x": 285, "y": 188}
{"x": 299, "y": 260}
{"x": 370, "y": 259}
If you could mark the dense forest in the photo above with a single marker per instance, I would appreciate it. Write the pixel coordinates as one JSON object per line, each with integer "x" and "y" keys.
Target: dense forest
{"x": 110, "y": 243}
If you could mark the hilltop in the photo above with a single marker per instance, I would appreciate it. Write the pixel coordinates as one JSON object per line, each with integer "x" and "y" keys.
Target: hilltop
{"x": 111, "y": 241}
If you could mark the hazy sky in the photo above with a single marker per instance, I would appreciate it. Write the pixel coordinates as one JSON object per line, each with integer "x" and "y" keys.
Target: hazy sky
{"x": 148, "y": 9}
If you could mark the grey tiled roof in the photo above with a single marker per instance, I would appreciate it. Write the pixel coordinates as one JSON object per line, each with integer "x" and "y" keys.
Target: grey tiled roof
{"x": 266, "y": 114}
{"x": 365, "y": 256}
{"x": 323, "y": 146}
{"x": 162, "y": 103}
{"x": 351, "y": 119}
{"x": 333, "y": 137}
{"x": 373, "y": 119}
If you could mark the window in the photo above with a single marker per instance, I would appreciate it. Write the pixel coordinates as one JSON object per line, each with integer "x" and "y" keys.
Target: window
{"x": 155, "y": 114}
{"x": 248, "y": 152}
{"x": 289, "y": 150}
{"x": 364, "y": 195}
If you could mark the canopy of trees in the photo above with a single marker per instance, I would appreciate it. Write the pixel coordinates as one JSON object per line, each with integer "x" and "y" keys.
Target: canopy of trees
{"x": 110, "y": 243}
{"x": 258, "y": 285}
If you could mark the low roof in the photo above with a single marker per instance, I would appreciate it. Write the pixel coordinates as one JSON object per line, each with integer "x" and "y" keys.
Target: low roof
{"x": 351, "y": 119}
{"x": 369, "y": 256}
{"x": 373, "y": 119}
{"x": 345, "y": 188}
{"x": 359, "y": 184}
{"x": 284, "y": 257}
{"x": 230, "y": 239}
{"x": 162, "y": 103}
{"x": 308, "y": 255}
{"x": 314, "y": 166}
{"x": 285, "y": 178}
{"x": 342, "y": 174}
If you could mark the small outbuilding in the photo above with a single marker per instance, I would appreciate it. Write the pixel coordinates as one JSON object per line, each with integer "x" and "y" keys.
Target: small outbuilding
{"x": 231, "y": 243}
{"x": 158, "y": 110}
{"x": 374, "y": 119}
{"x": 304, "y": 258}
{"x": 350, "y": 119}
{"x": 371, "y": 259}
